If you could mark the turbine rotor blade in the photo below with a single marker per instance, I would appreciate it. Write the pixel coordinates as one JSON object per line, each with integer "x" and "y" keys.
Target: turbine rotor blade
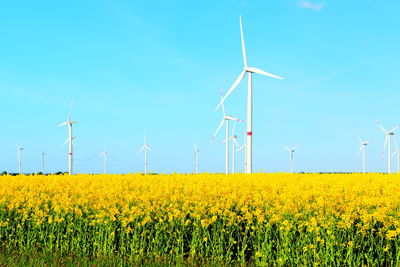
{"x": 236, "y": 143}
{"x": 394, "y": 129}
{"x": 255, "y": 70}
{"x": 223, "y": 106}
{"x": 238, "y": 79}
{"x": 243, "y": 46}
{"x": 219, "y": 127}
{"x": 380, "y": 126}
{"x": 359, "y": 151}
{"x": 66, "y": 141}
{"x": 233, "y": 119}
{"x": 70, "y": 108}
{"x": 386, "y": 141}
{"x": 234, "y": 126}
{"x": 296, "y": 146}
{"x": 140, "y": 151}
{"x": 359, "y": 138}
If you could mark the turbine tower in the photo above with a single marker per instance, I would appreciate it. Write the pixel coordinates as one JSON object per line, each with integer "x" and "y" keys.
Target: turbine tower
{"x": 43, "y": 154}
{"x": 388, "y": 137}
{"x": 225, "y": 119}
{"x": 19, "y": 157}
{"x": 144, "y": 148}
{"x": 196, "y": 156}
{"x": 363, "y": 145}
{"x": 249, "y": 71}
{"x": 397, "y": 151}
{"x": 70, "y": 140}
{"x": 291, "y": 154}
{"x": 105, "y": 154}
{"x": 240, "y": 149}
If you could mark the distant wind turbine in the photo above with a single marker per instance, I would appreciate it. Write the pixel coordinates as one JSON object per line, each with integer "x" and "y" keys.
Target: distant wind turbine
{"x": 196, "y": 156}
{"x": 363, "y": 145}
{"x": 144, "y": 148}
{"x": 397, "y": 151}
{"x": 105, "y": 154}
{"x": 249, "y": 71}
{"x": 225, "y": 119}
{"x": 43, "y": 154}
{"x": 70, "y": 140}
{"x": 19, "y": 157}
{"x": 233, "y": 139}
{"x": 388, "y": 134}
{"x": 291, "y": 154}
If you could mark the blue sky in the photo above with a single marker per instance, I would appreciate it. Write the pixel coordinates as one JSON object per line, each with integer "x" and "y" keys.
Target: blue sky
{"x": 158, "y": 66}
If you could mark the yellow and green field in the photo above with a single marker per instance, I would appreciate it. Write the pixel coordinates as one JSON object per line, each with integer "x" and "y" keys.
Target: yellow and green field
{"x": 260, "y": 219}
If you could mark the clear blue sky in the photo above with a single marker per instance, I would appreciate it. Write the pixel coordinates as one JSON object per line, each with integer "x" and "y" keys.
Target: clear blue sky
{"x": 157, "y": 66}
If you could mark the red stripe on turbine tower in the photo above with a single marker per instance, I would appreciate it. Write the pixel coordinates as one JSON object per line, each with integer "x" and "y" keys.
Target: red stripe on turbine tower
{"x": 249, "y": 133}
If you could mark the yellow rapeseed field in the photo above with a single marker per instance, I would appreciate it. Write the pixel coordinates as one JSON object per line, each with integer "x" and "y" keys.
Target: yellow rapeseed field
{"x": 260, "y": 219}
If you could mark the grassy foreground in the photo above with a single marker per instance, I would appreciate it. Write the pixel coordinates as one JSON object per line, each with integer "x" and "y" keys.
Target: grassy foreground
{"x": 258, "y": 219}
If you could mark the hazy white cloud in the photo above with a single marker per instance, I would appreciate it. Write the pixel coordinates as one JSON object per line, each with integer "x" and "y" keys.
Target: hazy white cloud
{"x": 311, "y": 5}
{"x": 329, "y": 76}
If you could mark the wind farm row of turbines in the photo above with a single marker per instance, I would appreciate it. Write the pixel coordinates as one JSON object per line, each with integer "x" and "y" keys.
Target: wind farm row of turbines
{"x": 232, "y": 138}
{"x": 389, "y": 134}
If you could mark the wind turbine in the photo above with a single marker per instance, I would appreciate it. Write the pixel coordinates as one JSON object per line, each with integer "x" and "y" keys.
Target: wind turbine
{"x": 105, "y": 154}
{"x": 225, "y": 119}
{"x": 388, "y": 134}
{"x": 70, "y": 139}
{"x": 363, "y": 145}
{"x": 19, "y": 157}
{"x": 144, "y": 148}
{"x": 233, "y": 139}
{"x": 196, "y": 156}
{"x": 397, "y": 151}
{"x": 291, "y": 151}
{"x": 43, "y": 154}
{"x": 249, "y": 71}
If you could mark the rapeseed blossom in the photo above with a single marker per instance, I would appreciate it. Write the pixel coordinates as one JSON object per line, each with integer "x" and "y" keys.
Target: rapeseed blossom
{"x": 261, "y": 218}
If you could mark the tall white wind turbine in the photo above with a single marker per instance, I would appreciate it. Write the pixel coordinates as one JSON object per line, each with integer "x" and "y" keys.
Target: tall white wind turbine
{"x": 291, "y": 154}
{"x": 225, "y": 119}
{"x": 196, "y": 157}
{"x": 363, "y": 145}
{"x": 70, "y": 140}
{"x": 19, "y": 157}
{"x": 144, "y": 148}
{"x": 388, "y": 137}
{"x": 249, "y": 71}
{"x": 397, "y": 151}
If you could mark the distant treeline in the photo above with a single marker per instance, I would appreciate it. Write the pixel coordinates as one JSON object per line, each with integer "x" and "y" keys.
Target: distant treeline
{"x": 37, "y": 173}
